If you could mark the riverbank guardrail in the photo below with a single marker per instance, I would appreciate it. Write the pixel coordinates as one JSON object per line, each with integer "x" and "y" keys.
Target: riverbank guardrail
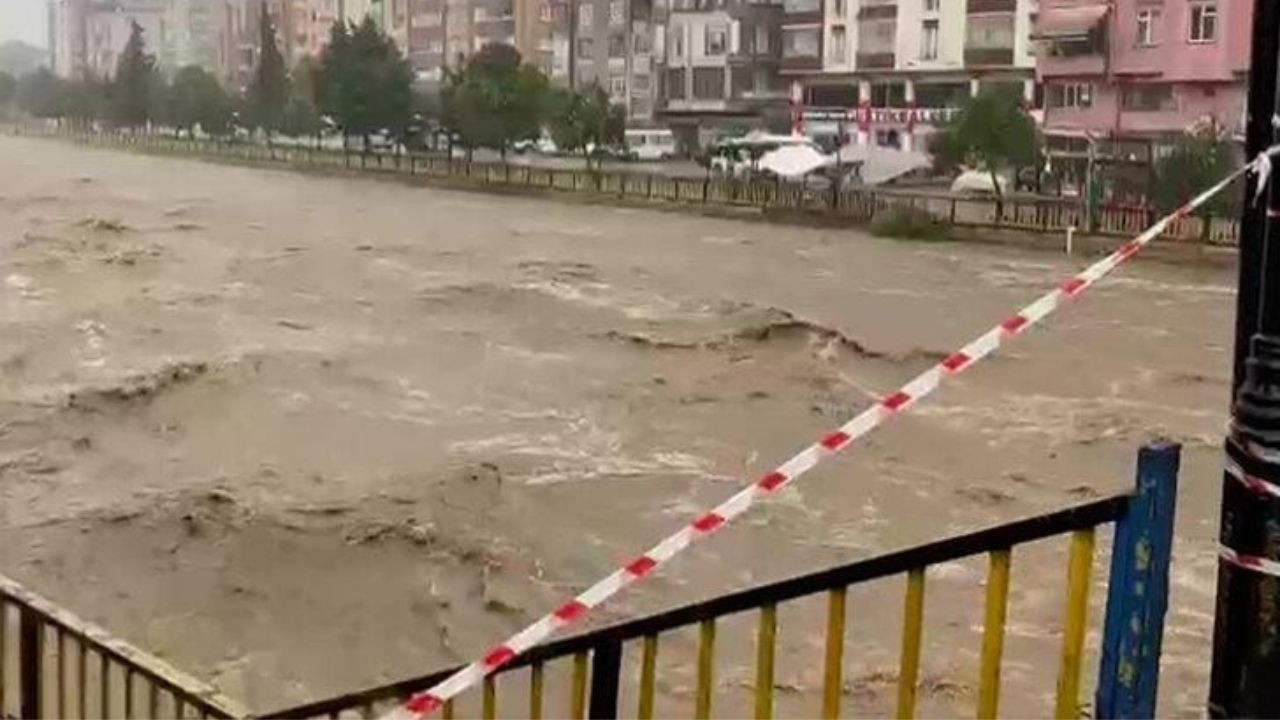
{"x": 856, "y": 205}
{"x": 54, "y": 664}
{"x": 1127, "y": 674}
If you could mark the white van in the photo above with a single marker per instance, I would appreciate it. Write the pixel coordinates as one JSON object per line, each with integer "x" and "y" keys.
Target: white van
{"x": 654, "y": 144}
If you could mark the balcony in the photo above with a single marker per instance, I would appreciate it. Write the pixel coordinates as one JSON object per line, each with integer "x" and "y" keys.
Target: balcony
{"x": 875, "y": 61}
{"x": 801, "y": 63}
{"x": 988, "y": 57}
{"x": 990, "y": 6}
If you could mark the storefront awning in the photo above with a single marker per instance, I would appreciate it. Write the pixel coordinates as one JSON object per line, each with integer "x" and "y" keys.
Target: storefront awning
{"x": 1068, "y": 23}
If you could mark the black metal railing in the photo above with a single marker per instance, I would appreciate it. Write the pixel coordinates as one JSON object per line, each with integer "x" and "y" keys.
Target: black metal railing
{"x": 67, "y": 667}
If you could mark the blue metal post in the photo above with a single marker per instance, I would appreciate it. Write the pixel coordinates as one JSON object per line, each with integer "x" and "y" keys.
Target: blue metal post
{"x": 1138, "y": 589}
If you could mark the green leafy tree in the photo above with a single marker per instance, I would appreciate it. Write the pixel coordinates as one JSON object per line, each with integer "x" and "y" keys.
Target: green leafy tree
{"x": 197, "y": 99}
{"x": 1197, "y": 160}
{"x": 268, "y": 91}
{"x": 585, "y": 122}
{"x": 494, "y": 100}
{"x": 135, "y": 81}
{"x": 85, "y": 100}
{"x": 301, "y": 117}
{"x": 991, "y": 133}
{"x": 40, "y": 93}
{"x": 364, "y": 83}
{"x": 8, "y": 88}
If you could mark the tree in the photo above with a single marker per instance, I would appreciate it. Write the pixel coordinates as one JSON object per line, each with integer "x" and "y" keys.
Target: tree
{"x": 40, "y": 93}
{"x": 135, "y": 80}
{"x": 494, "y": 99}
{"x": 1197, "y": 160}
{"x": 300, "y": 114}
{"x": 269, "y": 89}
{"x": 992, "y": 133}
{"x": 85, "y": 100}
{"x": 8, "y": 88}
{"x": 197, "y": 99}
{"x": 364, "y": 83}
{"x": 585, "y": 121}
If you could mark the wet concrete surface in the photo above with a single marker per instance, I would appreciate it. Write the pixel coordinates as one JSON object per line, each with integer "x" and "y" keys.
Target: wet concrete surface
{"x": 300, "y": 435}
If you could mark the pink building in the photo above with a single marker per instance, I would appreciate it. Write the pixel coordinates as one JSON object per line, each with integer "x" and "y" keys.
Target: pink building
{"x": 1138, "y": 72}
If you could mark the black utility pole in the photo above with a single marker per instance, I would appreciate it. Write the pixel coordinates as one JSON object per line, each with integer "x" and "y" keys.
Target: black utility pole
{"x": 1245, "y": 678}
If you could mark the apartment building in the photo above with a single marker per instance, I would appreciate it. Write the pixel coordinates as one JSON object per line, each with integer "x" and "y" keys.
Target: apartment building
{"x": 435, "y": 34}
{"x": 88, "y": 36}
{"x": 721, "y": 67}
{"x": 889, "y": 71}
{"x": 1139, "y": 72}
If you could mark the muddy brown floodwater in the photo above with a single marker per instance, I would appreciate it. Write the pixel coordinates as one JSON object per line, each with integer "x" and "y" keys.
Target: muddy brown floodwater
{"x": 301, "y": 434}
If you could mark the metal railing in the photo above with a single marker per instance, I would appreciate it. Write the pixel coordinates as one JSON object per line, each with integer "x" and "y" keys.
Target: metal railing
{"x": 1036, "y": 214}
{"x": 1137, "y": 592}
{"x": 56, "y": 665}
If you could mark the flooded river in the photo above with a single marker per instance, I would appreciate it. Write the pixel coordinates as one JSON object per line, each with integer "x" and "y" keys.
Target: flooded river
{"x": 303, "y": 434}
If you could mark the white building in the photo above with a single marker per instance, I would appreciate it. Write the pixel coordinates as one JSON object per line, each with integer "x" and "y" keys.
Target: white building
{"x": 888, "y": 71}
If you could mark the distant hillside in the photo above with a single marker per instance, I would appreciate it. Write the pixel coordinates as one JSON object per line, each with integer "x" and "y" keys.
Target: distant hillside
{"x": 19, "y": 58}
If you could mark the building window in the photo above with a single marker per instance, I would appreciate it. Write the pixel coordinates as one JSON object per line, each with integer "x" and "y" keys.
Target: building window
{"x": 741, "y": 82}
{"x": 677, "y": 41}
{"x": 640, "y": 83}
{"x": 990, "y": 32}
{"x": 675, "y": 83}
{"x": 1070, "y": 95}
{"x": 617, "y": 87}
{"x": 931, "y": 6}
{"x": 586, "y": 16}
{"x": 1204, "y": 22}
{"x": 715, "y": 40}
{"x": 801, "y": 43}
{"x": 762, "y": 44}
{"x": 643, "y": 43}
{"x": 929, "y": 40}
{"x": 617, "y": 12}
{"x": 586, "y": 48}
{"x": 1148, "y": 98}
{"x": 544, "y": 12}
{"x": 838, "y": 43}
{"x": 837, "y": 8}
{"x": 708, "y": 83}
{"x": 1148, "y": 21}
{"x": 617, "y": 46}
{"x": 802, "y": 6}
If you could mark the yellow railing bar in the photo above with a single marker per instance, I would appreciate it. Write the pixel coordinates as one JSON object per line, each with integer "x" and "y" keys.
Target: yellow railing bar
{"x": 447, "y": 713}
{"x": 535, "y": 691}
{"x": 648, "y": 676}
{"x": 912, "y": 630}
{"x": 489, "y": 702}
{"x": 706, "y": 669}
{"x": 578, "y": 692}
{"x": 993, "y": 633}
{"x": 833, "y": 662}
{"x": 1079, "y": 568}
{"x": 765, "y": 651}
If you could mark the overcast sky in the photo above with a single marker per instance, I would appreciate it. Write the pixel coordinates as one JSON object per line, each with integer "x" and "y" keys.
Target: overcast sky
{"x": 23, "y": 20}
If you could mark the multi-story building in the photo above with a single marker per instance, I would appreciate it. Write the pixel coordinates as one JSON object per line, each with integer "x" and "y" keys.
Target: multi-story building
{"x": 721, "y": 66}
{"x": 435, "y": 34}
{"x": 1138, "y": 72}
{"x": 889, "y": 71}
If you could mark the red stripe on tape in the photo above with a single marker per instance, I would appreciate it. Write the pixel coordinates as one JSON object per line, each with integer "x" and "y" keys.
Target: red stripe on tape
{"x": 896, "y": 400}
{"x": 955, "y": 361}
{"x": 1072, "y": 286}
{"x": 642, "y": 566}
{"x": 835, "y": 440}
{"x": 1013, "y": 324}
{"x": 772, "y": 481}
{"x": 571, "y": 611}
{"x": 1129, "y": 249}
{"x": 1182, "y": 212}
{"x": 708, "y": 522}
{"x": 498, "y": 657}
{"x": 423, "y": 704}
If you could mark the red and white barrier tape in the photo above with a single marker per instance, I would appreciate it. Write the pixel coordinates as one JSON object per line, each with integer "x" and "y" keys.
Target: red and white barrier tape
{"x": 423, "y": 703}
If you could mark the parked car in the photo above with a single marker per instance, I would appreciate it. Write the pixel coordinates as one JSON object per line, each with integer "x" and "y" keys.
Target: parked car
{"x": 650, "y": 144}
{"x": 739, "y": 156}
{"x": 543, "y": 145}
